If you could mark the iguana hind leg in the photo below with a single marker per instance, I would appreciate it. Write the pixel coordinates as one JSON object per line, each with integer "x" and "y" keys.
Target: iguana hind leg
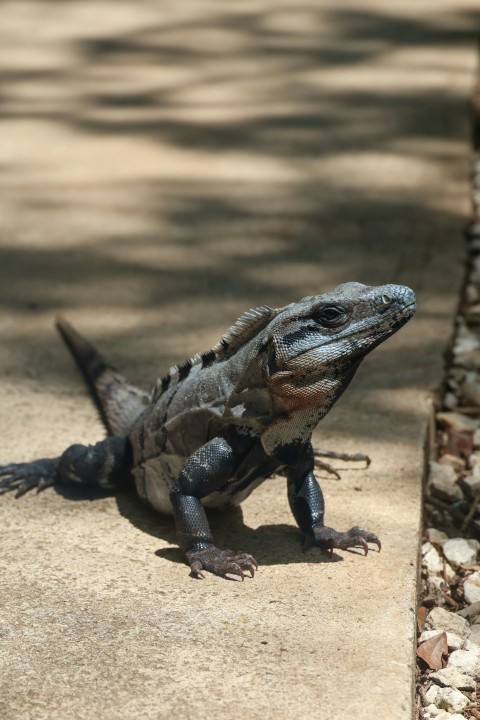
{"x": 106, "y": 464}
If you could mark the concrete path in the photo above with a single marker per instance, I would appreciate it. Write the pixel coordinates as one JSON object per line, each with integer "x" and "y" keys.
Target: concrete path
{"x": 164, "y": 166}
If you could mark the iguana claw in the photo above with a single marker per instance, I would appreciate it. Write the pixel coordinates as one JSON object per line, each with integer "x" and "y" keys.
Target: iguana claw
{"x": 23, "y": 477}
{"x": 330, "y": 539}
{"x": 221, "y": 562}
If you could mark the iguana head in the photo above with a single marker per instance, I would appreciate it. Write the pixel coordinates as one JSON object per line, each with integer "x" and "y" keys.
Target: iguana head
{"x": 315, "y": 345}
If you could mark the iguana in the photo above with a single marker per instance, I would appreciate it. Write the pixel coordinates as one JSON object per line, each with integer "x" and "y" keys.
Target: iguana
{"x": 220, "y": 423}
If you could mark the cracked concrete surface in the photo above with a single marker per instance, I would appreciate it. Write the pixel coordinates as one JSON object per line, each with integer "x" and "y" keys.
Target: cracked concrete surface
{"x": 164, "y": 166}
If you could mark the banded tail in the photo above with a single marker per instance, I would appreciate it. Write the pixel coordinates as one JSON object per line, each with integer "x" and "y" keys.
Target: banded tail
{"x": 118, "y": 403}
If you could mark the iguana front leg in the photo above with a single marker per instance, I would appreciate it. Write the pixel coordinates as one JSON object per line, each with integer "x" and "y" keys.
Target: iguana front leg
{"x": 308, "y": 507}
{"x": 206, "y": 470}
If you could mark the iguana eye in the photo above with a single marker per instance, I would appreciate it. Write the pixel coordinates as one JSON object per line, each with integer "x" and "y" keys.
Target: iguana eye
{"x": 331, "y": 316}
{"x": 386, "y": 299}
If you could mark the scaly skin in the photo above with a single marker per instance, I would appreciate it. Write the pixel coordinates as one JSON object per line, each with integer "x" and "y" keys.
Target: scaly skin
{"x": 225, "y": 420}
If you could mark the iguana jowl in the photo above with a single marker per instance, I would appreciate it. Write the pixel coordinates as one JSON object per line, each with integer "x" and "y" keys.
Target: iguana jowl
{"x": 219, "y": 424}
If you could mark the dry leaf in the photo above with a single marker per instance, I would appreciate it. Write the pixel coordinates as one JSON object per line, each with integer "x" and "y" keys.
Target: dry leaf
{"x": 434, "y": 651}
{"x": 422, "y": 613}
{"x": 459, "y": 443}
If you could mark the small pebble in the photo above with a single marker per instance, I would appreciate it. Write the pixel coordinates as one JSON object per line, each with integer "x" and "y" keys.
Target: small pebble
{"x": 467, "y": 661}
{"x": 472, "y": 294}
{"x": 460, "y": 551}
{"x": 476, "y": 438}
{"x": 471, "y": 393}
{"x": 435, "y": 536}
{"x": 440, "y": 619}
{"x": 446, "y": 698}
{"x": 458, "y": 422}
{"x": 466, "y": 341}
{"x": 451, "y": 676}
{"x": 471, "y": 588}
{"x": 457, "y": 463}
{"x": 474, "y": 460}
{"x": 431, "y": 712}
{"x": 450, "y": 401}
{"x": 474, "y": 636}
{"x": 472, "y": 315}
{"x": 431, "y": 559}
{"x": 469, "y": 360}
{"x": 436, "y": 584}
{"x": 443, "y": 482}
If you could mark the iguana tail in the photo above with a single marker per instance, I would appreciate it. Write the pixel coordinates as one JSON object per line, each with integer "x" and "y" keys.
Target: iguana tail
{"x": 119, "y": 403}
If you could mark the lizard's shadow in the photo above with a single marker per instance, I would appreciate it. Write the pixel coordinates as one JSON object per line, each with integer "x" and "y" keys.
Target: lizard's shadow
{"x": 275, "y": 544}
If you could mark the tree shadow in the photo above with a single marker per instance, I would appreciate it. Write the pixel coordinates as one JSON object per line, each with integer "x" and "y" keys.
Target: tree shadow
{"x": 269, "y": 103}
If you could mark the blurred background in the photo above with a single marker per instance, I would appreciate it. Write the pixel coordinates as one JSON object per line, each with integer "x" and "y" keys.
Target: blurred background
{"x": 165, "y": 165}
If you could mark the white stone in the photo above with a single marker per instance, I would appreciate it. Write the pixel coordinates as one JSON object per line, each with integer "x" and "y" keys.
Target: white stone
{"x": 471, "y": 588}
{"x": 467, "y": 661}
{"x": 443, "y": 481}
{"x": 436, "y": 584}
{"x": 464, "y": 334}
{"x": 466, "y": 341}
{"x": 460, "y": 551}
{"x": 435, "y": 536}
{"x": 446, "y": 698}
{"x": 471, "y": 293}
{"x": 454, "y": 642}
{"x": 470, "y": 360}
{"x": 474, "y": 636}
{"x": 474, "y": 459}
{"x": 441, "y": 619}
{"x": 449, "y": 573}
{"x": 471, "y": 393}
{"x": 431, "y": 712}
{"x": 431, "y": 559}
{"x": 452, "y": 676}
{"x": 454, "y": 461}
{"x": 450, "y": 401}
{"x": 457, "y": 421}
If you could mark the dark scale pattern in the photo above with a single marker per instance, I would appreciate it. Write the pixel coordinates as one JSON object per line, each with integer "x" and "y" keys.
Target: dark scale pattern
{"x": 248, "y": 409}
{"x": 208, "y": 358}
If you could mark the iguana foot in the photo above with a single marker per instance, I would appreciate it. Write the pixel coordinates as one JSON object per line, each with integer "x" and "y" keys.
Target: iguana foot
{"x": 348, "y": 457}
{"x": 221, "y": 562}
{"x": 22, "y": 477}
{"x": 330, "y": 539}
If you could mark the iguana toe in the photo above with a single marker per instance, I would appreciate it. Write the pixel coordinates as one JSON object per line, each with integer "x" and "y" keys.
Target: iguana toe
{"x": 22, "y": 477}
{"x": 221, "y": 562}
{"x": 331, "y": 539}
